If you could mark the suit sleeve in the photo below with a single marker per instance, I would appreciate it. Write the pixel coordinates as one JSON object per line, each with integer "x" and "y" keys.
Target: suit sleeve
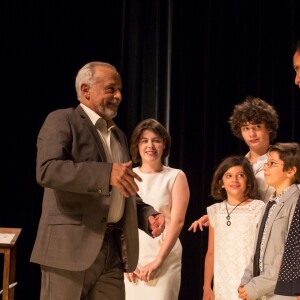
{"x": 67, "y": 156}
{"x": 143, "y": 212}
{"x": 265, "y": 282}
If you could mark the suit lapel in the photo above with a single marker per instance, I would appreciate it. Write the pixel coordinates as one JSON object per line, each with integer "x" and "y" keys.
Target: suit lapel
{"x": 285, "y": 200}
{"x": 93, "y": 132}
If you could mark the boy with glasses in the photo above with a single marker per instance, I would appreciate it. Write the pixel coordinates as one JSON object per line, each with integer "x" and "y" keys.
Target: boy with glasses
{"x": 282, "y": 172}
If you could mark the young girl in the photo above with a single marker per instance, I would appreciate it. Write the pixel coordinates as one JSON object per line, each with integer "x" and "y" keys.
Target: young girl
{"x": 232, "y": 225}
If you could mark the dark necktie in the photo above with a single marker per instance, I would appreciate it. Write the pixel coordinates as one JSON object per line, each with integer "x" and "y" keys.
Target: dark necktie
{"x": 256, "y": 270}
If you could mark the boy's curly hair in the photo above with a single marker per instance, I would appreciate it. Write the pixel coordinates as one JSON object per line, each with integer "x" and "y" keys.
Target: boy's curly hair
{"x": 255, "y": 111}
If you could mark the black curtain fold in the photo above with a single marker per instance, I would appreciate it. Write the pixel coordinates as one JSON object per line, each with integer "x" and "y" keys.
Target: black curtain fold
{"x": 185, "y": 63}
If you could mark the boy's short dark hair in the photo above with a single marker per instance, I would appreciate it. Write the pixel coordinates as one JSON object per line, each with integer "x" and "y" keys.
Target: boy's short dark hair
{"x": 255, "y": 111}
{"x": 289, "y": 153}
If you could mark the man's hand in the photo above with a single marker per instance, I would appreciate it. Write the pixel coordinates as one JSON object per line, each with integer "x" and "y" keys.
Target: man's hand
{"x": 133, "y": 277}
{"x": 156, "y": 224}
{"x": 122, "y": 177}
{"x": 203, "y": 221}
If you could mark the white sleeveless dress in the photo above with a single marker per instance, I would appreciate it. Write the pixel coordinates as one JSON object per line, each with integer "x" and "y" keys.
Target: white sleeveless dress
{"x": 234, "y": 244}
{"x": 156, "y": 190}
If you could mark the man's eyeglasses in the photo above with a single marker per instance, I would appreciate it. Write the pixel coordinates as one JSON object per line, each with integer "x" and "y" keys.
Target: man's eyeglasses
{"x": 271, "y": 164}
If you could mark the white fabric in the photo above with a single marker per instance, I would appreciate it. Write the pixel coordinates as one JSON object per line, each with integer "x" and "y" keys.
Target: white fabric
{"x": 264, "y": 190}
{"x": 233, "y": 244}
{"x": 156, "y": 190}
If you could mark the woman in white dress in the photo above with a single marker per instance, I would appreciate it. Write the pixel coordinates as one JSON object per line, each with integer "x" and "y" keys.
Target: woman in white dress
{"x": 232, "y": 228}
{"x": 158, "y": 274}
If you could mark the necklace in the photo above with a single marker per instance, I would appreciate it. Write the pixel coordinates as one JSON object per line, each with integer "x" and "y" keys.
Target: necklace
{"x": 229, "y": 213}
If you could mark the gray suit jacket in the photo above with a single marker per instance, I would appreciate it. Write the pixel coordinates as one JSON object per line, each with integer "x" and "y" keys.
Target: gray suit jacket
{"x": 276, "y": 234}
{"x": 72, "y": 167}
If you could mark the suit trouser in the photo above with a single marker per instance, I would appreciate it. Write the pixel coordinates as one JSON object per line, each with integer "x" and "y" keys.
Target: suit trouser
{"x": 104, "y": 280}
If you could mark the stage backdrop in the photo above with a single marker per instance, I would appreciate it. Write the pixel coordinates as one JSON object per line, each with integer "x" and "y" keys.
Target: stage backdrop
{"x": 186, "y": 63}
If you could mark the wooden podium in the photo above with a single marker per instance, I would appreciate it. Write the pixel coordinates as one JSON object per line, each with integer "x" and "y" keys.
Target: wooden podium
{"x": 8, "y": 240}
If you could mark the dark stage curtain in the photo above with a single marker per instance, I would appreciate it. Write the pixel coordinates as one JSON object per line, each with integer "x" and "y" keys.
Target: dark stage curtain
{"x": 185, "y": 63}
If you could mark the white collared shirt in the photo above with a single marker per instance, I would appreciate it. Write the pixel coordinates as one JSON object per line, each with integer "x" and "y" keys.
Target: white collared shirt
{"x": 264, "y": 190}
{"x": 117, "y": 202}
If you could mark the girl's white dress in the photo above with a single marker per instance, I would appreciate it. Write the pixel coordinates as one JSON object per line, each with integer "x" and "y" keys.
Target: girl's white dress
{"x": 156, "y": 190}
{"x": 234, "y": 244}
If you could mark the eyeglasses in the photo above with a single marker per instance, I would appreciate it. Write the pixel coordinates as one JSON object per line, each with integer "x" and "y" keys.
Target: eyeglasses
{"x": 271, "y": 164}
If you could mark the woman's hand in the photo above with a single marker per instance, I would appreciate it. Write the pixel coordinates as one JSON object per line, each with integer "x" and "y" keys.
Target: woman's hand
{"x": 150, "y": 271}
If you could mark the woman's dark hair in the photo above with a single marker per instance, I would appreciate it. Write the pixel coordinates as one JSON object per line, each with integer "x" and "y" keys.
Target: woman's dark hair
{"x": 156, "y": 127}
{"x": 219, "y": 193}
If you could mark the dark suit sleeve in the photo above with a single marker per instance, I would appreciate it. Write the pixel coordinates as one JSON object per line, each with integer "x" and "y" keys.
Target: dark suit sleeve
{"x": 143, "y": 212}
{"x": 68, "y": 158}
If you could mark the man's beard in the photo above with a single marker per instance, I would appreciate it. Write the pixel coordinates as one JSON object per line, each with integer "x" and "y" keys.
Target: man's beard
{"x": 107, "y": 113}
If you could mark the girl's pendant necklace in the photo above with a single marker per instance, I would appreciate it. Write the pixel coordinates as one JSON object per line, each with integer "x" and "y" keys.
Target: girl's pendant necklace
{"x": 229, "y": 213}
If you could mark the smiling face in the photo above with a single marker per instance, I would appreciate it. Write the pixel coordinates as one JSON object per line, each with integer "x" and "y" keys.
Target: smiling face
{"x": 256, "y": 136}
{"x": 235, "y": 182}
{"x": 104, "y": 95}
{"x": 275, "y": 176}
{"x": 150, "y": 146}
